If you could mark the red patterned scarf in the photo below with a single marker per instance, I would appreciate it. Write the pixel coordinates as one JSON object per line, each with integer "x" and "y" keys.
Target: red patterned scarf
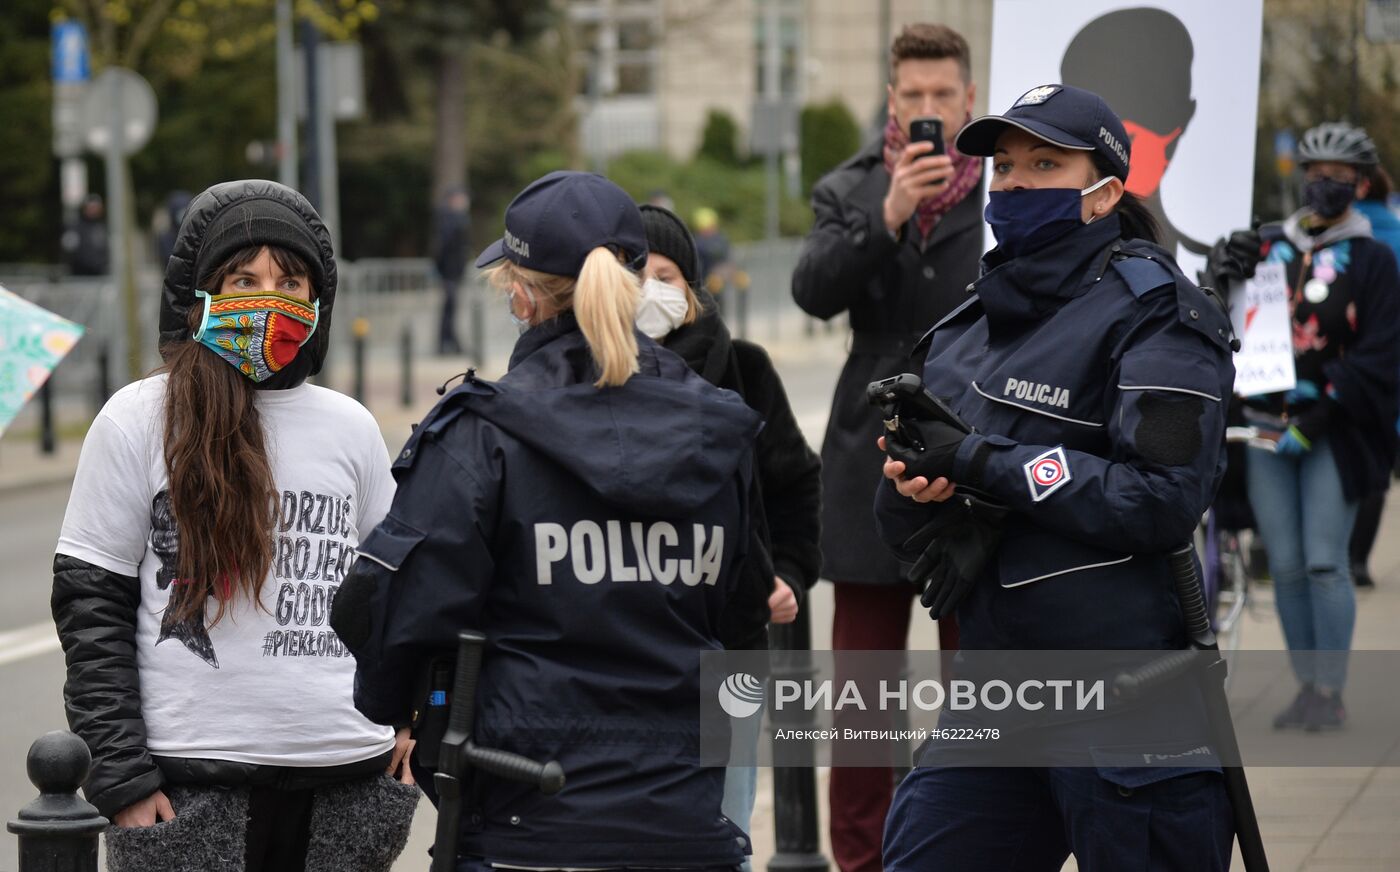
{"x": 967, "y": 172}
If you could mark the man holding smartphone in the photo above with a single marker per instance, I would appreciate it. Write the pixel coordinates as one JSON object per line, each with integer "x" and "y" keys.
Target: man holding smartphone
{"x": 895, "y": 242}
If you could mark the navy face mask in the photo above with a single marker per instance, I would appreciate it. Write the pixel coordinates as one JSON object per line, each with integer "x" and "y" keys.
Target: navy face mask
{"x": 1328, "y": 197}
{"x": 1026, "y": 219}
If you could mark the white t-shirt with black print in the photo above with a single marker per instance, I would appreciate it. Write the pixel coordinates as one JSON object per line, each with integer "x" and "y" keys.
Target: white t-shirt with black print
{"x": 268, "y": 685}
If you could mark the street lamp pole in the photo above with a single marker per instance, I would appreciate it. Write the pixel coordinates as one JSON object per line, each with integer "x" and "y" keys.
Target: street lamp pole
{"x": 286, "y": 98}
{"x": 772, "y": 86}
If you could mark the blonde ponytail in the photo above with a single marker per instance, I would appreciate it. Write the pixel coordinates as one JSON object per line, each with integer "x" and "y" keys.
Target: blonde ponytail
{"x": 605, "y": 303}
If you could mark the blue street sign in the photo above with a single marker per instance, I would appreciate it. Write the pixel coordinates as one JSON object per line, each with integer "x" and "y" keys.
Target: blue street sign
{"x": 1284, "y": 143}
{"x": 70, "y": 54}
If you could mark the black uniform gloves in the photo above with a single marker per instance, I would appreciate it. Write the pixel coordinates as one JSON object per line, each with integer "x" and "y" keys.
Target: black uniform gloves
{"x": 940, "y": 445}
{"x": 1233, "y": 258}
{"x": 957, "y": 550}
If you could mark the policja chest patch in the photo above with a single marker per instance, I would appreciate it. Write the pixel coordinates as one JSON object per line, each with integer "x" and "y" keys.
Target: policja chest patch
{"x": 1047, "y": 473}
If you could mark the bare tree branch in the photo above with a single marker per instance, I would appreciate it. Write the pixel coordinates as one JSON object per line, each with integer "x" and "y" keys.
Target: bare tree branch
{"x": 145, "y": 30}
{"x": 103, "y": 28}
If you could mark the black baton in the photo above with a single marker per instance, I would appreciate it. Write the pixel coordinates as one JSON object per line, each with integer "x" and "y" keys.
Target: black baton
{"x": 458, "y": 753}
{"x": 1204, "y": 658}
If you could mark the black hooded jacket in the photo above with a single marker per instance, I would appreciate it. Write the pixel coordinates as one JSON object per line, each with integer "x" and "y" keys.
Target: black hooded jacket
{"x": 95, "y": 609}
{"x": 243, "y": 213}
{"x": 595, "y": 536}
{"x": 787, "y": 494}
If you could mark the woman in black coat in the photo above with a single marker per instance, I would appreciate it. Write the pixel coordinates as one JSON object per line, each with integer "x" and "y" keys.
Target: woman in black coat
{"x": 784, "y": 555}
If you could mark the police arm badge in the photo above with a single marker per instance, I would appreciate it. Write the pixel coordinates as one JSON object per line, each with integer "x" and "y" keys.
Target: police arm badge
{"x": 1047, "y": 473}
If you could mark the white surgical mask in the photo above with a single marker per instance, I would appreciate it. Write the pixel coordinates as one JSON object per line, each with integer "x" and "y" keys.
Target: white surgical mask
{"x": 521, "y": 325}
{"x": 661, "y": 309}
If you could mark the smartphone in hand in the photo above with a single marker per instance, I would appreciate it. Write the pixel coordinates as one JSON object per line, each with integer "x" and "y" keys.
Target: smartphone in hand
{"x": 928, "y": 130}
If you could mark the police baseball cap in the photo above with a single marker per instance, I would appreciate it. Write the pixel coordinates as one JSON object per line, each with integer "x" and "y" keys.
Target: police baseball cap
{"x": 554, "y": 223}
{"x": 1063, "y": 115}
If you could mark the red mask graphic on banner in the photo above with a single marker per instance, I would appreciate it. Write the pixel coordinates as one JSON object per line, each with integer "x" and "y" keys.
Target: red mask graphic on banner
{"x": 1149, "y": 158}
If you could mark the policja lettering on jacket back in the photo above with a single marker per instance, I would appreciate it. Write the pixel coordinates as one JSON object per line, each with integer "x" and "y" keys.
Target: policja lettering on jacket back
{"x": 593, "y": 561}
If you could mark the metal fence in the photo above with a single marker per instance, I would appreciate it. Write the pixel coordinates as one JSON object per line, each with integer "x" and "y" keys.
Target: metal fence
{"x": 400, "y": 300}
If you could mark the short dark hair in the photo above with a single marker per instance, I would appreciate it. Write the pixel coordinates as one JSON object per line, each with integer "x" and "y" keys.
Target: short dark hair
{"x": 931, "y": 42}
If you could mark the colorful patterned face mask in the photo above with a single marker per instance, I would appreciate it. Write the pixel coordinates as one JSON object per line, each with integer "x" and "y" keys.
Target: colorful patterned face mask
{"x": 257, "y": 334}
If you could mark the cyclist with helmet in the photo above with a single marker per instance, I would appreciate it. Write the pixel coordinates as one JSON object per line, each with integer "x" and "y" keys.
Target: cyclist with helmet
{"x": 1334, "y": 433}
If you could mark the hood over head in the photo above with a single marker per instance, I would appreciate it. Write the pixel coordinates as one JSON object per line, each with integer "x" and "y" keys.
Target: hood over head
{"x": 1352, "y": 225}
{"x": 233, "y": 215}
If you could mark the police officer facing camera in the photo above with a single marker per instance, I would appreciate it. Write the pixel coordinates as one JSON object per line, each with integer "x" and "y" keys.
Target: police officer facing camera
{"x": 1094, "y": 376}
{"x": 588, "y": 512}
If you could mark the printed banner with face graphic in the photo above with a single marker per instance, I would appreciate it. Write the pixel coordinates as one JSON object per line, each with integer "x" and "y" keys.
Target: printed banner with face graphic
{"x": 1184, "y": 79}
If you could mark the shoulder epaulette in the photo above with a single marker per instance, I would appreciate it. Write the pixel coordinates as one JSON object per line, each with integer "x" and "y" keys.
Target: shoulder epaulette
{"x": 1141, "y": 272}
{"x": 448, "y": 409}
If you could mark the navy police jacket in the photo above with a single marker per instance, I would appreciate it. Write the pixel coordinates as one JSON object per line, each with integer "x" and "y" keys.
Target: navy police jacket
{"x": 594, "y": 535}
{"x": 1096, "y": 376}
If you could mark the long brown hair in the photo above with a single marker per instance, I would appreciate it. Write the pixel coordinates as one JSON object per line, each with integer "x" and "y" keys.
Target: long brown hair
{"x": 221, "y": 487}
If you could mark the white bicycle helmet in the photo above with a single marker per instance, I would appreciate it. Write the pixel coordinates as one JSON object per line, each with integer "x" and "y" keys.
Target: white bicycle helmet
{"x": 1340, "y": 142}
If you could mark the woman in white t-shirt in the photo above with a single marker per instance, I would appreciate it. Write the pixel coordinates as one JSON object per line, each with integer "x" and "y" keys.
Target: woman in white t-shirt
{"x": 216, "y": 508}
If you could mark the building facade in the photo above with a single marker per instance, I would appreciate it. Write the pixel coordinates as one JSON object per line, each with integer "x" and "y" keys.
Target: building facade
{"x": 651, "y": 70}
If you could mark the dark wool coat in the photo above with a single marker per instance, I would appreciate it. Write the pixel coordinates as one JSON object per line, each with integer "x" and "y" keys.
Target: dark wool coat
{"x": 894, "y": 289}
{"x": 787, "y": 474}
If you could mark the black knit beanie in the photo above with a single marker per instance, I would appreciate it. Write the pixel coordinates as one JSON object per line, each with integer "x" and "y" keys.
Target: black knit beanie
{"x": 258, "y": 221}
{"x": 667, "y": 235}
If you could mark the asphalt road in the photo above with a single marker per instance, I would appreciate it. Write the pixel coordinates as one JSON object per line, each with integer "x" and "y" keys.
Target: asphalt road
{"x": 31, "y": 666}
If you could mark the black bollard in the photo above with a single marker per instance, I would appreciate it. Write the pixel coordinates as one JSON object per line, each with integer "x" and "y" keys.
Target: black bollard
{"x": 47, "y": 443}
{"x": 741, "y": 290}
{"x": 406, "y": 358}
{"x": 58, "y": 831}
{"x": 359, "y": 331}
{"x": 797, "y": 841}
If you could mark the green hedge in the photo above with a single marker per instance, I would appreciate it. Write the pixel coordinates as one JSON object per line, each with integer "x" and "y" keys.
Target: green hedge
{"x": 719, "y": 141}
{"x": 829, "y": 136}
{"x": 737, "y": 193}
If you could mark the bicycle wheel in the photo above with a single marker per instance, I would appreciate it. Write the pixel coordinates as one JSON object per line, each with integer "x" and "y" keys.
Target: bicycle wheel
{"x": 1233, "y": 592}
